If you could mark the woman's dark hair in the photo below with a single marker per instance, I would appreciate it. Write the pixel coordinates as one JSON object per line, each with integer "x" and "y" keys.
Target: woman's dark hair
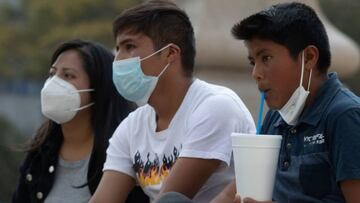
{"x": 109, "y": 108}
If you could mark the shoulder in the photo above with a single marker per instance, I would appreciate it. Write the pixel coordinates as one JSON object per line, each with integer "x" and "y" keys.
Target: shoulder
{"x": 344, "y": 102}
{"x": 133, "y": 127}
{"x": 30, "y": 158}
{"x": 215, "y": 95}
{"x": 141, "y": 114}
{"x": 221, "y": 111}
{"x": 219, "y": 105}
{"x": 209, "y": 88}
{"x": 142, "y": 110}
{"x": 38, "y": 160}
{"x": 342, "y": 117}
{"x": 35, "y": 173}
{"x": 44, "y": 154}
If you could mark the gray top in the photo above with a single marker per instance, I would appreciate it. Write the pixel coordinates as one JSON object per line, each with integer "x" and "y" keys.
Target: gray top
{"x": 70, "y": 174}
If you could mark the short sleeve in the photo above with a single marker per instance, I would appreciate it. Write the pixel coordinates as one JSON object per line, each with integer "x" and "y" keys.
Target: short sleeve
{"x": 118, "y": 153}
{"x": 346, "y": 145}
{"x": 210, "y": 126}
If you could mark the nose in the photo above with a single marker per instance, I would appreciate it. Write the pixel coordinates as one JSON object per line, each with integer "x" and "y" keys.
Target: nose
{"x": 257, "y": 73}
{"x": 117, "y": 56}
{"x": 120, "y": 56}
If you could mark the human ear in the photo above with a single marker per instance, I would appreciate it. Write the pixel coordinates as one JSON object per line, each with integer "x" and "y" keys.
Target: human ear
{"x": 311, "y": 54}
{"x": 174, "y": 53}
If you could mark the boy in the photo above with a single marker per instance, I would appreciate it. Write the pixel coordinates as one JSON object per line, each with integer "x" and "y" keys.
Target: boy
{"x": 318, "y": 118}
{"x": 180, "y": 139}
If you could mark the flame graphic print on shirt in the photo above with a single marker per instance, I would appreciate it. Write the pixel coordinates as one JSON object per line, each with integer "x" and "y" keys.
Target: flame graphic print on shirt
{"x": 152, "y": 173}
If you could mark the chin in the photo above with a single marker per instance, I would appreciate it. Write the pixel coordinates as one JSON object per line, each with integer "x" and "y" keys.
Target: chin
{"x": 272, "y": 106}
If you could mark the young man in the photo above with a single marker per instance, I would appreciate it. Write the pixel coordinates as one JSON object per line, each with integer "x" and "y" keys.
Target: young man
{"x": 180, "y": 139}
{"x": 319, "y": 119}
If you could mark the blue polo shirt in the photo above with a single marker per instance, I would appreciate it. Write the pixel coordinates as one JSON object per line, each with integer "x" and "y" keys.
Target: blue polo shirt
{"x": 322, "y": 150}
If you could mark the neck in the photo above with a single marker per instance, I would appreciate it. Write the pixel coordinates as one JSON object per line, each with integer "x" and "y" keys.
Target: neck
{"x": 78, "y": 137}
{"x": 167, "y": 100}
{"x": 316, "y": 84}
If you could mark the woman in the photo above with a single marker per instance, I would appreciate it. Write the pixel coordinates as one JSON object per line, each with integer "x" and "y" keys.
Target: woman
{"x": 66, "y": 155}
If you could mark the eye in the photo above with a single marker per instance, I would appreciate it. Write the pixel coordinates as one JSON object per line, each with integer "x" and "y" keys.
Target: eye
{"x": 129, "y": 47}
{"x": 251, "y": 61}
{"x": 68, "y": 76}
{"x": 266, "y": 58}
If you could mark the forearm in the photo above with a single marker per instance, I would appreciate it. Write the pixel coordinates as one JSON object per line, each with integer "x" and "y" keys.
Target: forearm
{"x": 195, "y": 171}
{"x": 114, "y": 187}
{"x": 351, "y": 190}
{"x": 227, "y": 195}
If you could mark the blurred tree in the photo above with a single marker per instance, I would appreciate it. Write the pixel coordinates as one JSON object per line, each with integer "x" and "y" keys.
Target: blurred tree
{"x": 9, "y": 159}
{"x": 31, "y": 29}
{"x": 29, "y": 33}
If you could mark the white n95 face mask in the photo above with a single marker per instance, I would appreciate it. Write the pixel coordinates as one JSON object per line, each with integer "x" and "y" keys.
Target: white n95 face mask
{"x": 60, "y": 100}
{"x": 291, "y": 111}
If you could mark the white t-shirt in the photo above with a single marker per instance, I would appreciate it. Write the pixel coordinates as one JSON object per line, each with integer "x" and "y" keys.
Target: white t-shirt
{"x": 201, "y": 128}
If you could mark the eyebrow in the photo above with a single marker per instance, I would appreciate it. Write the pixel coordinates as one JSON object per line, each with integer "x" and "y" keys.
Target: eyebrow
{"x": 258, "y": 53}
{"x": 125, "y": 41}
{"x": 129, "y": 37}
{"x": 65, "y": 68}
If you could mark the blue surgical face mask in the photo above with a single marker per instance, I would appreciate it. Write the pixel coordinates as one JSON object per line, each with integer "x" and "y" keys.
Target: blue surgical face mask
{"x": 131, "y": 82}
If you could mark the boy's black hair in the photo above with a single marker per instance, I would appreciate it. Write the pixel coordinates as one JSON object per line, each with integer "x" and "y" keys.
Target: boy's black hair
{"x": 164, "y": 23}
{"x": 293, "y": 25}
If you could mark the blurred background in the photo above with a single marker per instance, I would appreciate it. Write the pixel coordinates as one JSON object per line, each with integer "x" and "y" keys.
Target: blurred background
{"x": 30, "y": 31}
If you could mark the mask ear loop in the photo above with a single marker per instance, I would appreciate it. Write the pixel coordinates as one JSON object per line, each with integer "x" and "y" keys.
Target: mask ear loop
{"x": 82, "y": 90}
{"x": 83, "y": 107}
{"x": 309, "y": 82}
{"x": 146, "y": 57}
{"x": 302, "y": 68}
{"x": 87, "y": 105}
{"x": 302, "y": 71}
{"x": 156, "y": 53}
{"x": 164, "y": 70}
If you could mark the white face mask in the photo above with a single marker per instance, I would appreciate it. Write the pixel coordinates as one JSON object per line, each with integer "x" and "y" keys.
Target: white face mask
{"x": 60, "y": 100}
{"x": 291, "y": 111}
